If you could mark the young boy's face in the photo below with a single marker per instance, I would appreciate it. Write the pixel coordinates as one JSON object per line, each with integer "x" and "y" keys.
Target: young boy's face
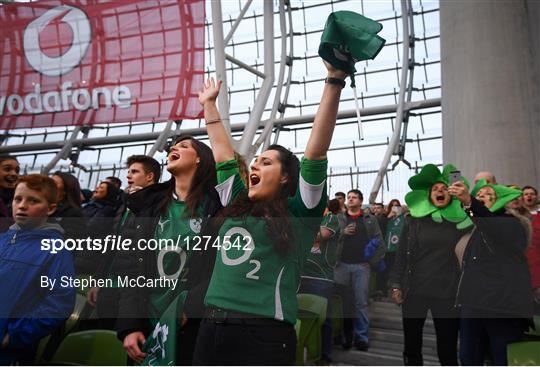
{"x": 30, "y": 207}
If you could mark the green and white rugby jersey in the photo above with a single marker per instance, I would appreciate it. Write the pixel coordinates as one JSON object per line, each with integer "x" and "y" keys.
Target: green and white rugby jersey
{"x": 182, "y": 233}
{"x": 322, "y": 259}
{"x": 249, "y": 275}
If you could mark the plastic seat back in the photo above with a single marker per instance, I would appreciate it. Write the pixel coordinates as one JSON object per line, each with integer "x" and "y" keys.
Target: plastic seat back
{"x": 524, "y": 354}
{"x": 91, "y": 347}
{"x": 312, "y": 313}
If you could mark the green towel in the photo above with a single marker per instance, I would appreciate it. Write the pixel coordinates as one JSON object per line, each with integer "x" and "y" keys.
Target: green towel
{"x": 349, "y": 37}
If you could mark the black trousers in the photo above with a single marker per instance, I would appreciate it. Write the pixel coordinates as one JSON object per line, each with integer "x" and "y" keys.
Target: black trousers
{"x": 382, "y": 277}
{"x": 185, "y": 342}
{"x": 242, "y": 342}
{"x": 107, "y": 307}
{"x": 481, "y": 335}
{"x": 445, "y": 320}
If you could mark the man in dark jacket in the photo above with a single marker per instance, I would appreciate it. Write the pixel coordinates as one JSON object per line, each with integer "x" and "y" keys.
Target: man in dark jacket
{"x": 143, "y": 171}
{"x": 352, "y": 269}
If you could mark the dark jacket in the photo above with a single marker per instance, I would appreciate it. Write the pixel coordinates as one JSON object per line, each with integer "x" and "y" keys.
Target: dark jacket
{"x": 373, "y": 233}
{"x": 99, "y": 224}
{"x": 495, "y": 279}
{"x": 28, "y": 311}
{"x": 71, "y": 219}
{"x": 145, "y": 205}
{"x": 6, "y": 219}
{"x": 403, "y": 269}
{"x": 533, "y": 253}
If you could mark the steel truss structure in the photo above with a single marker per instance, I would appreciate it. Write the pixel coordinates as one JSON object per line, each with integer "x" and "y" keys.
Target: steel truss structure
{"x": 282, "y": 73}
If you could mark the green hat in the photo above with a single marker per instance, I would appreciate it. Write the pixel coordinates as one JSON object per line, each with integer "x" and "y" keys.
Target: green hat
{"x": 419, "y": 201}
{"x": 504, "y": 194}
{"x": 349, "y": 37}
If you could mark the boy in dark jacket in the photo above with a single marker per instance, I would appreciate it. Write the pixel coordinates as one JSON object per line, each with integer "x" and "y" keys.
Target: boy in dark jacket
{"x": 34, "y": 302}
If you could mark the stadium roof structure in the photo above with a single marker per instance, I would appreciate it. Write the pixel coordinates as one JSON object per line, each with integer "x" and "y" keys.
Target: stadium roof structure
{"x": 266, "y": 54}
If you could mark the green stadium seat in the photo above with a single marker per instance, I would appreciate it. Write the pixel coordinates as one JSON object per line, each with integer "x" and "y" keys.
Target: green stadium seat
{"x": 91, "y": 347}
{"x": 312, "y": 313}
{"x": 48, "y": 345}
{"x": 524, "y": 354}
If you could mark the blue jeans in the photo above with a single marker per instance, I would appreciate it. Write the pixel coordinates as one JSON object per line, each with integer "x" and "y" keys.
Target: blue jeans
{"x": 356, "y": 276}
{"x": 324, "y": 289}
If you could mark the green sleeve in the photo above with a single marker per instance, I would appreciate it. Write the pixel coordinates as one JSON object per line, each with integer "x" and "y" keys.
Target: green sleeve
{"x": 331, "y": 223}
{"x": 229, "y": 182}
{"x": 311, "y": 196}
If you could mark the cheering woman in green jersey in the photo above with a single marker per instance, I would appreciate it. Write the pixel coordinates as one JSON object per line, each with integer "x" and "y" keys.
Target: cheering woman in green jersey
{"x": 176, "y": 209}
{"x": 265, "y": 235}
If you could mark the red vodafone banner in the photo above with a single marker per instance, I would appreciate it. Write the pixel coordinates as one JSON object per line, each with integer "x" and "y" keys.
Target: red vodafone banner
{"x": 89, "y": 62}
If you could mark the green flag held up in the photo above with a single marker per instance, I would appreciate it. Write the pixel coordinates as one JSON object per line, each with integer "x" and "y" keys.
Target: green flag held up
{"x": 161, "y": 344}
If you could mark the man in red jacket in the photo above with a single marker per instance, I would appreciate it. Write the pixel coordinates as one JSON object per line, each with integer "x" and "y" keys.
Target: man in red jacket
{"x": 533, "y": 257}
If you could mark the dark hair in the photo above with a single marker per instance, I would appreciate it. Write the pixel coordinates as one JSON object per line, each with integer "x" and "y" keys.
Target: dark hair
{"x": 530, "y": 187}
{"x": 115, "y": 181}
{"x": 112, "y": 194}
{"x": 333, "y": 206}
{"x": 274, "y": 211}
{"x": 340, "y": 193}
{"x": 149, "y": 164}
{"x": 290, "y": 167}
{"x": 72, "y": 189}
{"x": 7, "y": 158}
{"x": 87, "y": 194}
{"x": 204, "y": 179}
{"x": 357, "y": 192}
{"x": 381, "y": 204}
{"x": 41, "y": 183}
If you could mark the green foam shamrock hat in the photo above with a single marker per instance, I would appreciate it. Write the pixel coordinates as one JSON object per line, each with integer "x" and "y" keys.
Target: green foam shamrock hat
{"x": 419, "y": 201}
{"x": 349, "y": 37}
{"x": 503, "y": 194}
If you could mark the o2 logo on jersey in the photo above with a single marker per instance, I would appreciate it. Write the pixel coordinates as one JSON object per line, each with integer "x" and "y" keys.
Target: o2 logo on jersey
{"x": 247, "y": 249}
{"x": 161, "y": 256}
{"x": 195, "y": 224}
{"x": 80, "y": 27}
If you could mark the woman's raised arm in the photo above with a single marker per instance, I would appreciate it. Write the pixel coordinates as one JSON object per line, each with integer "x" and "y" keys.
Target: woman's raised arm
{"x": 325, "y": 119}
{"x": 219, "y": 139}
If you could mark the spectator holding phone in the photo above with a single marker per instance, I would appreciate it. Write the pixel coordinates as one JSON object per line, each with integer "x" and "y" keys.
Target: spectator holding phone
{"x": 495, "y": 290}
{"x": 394, "y": 208}
{"x": 425, "y": 273}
